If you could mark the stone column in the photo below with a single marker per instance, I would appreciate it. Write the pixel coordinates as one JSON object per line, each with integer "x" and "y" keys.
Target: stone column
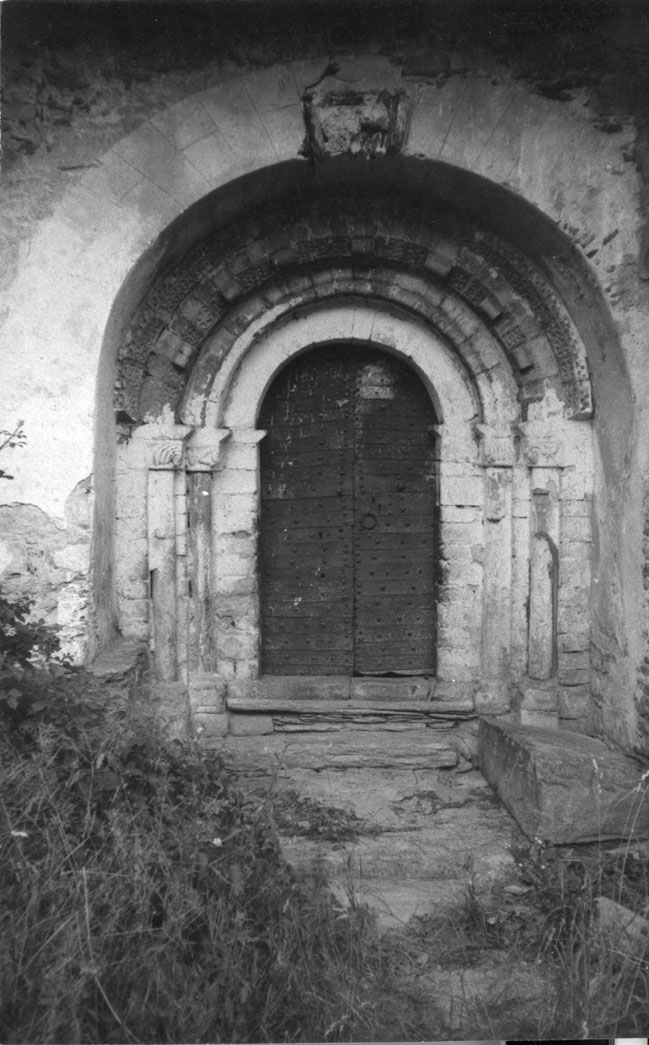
{"x": 203, "y": 462}
{"x": 203, "y": 459}
{"x": 497, "y": 460}
{"x": 166, "y": 533}
{"x": 542, "y": 452}
{"x": 235, "y": 510}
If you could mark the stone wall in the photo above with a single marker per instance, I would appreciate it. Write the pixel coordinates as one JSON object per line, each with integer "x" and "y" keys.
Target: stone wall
{"x": 102, "y": 184}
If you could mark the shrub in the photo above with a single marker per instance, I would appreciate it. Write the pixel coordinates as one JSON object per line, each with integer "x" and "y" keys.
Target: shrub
{"x": 143, "y": 896}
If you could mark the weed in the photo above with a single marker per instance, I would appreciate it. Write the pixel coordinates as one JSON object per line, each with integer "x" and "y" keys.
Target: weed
{"x": 298, "y": 816}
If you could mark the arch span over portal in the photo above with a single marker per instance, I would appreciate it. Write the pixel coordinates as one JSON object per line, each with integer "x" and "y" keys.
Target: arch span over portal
{"x": 201, "y": 291}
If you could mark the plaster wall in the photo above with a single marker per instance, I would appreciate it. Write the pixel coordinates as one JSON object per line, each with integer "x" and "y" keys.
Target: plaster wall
{"x": 107, "y": 234}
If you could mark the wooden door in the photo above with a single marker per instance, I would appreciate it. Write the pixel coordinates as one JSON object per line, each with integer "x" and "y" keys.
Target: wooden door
{"x": 348, "y": 517}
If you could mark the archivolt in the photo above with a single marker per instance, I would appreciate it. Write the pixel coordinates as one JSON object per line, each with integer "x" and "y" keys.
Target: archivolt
{"x": 473, "y": 289}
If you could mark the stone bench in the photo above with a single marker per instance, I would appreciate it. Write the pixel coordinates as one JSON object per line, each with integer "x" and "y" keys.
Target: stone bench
{"x": 564, "y": 787}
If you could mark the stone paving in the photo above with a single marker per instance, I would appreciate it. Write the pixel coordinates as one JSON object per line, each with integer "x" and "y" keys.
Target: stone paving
{"x": 426, "y": 824}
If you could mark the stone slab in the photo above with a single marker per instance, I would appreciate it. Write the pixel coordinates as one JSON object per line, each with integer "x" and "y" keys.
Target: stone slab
{"x": 352, "y": 709}
{"x": 413, "y": 749}
{"x": 454, "y": 847}
{"x": 563, "y": 787}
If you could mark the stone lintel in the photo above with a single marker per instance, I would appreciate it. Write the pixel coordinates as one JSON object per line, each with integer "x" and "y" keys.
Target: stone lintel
{"x": 563, "y": 787}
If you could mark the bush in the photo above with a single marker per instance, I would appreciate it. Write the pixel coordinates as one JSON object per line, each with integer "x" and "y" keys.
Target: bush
{"x": 143, "y": 896}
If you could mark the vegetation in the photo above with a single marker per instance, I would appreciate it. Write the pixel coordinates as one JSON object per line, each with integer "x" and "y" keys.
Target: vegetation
{"x": 144, "y": 898}
{"x": 9, "y": 440}
{"x": 584, "y": 975}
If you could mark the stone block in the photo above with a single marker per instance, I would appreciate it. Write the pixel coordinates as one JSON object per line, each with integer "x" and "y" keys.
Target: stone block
{"x": 582, "y": 507}
{"x": 540, "y": 697}
{"x": 209, "y": 725}
{"x": 623, "y": 929}
{"x": 576, "y": 528}
{"x": 461, "y": 572}
{"x": 546, "y": 719}
{"x": 563, "y": 787}
{"x": 492, "y": 700}
{"x": 246, "y": 725}
{"x": 574, "y": 676}
{"x": 459, "y": 491}
{"x": 207, "y": 694}
{"x": 575, "y": 702}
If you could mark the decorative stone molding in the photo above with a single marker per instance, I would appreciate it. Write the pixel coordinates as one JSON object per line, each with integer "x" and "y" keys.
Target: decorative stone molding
{"x": 399, "y": 253}
{"x": 366, "y": 116}
{"x": 204, "y": 449}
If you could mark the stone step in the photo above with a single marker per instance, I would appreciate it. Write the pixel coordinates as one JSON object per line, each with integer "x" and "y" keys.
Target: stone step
{"x": 395, "y": 901}
{"x": 394, "y": 799}
{"x": 278, "y": 752}
{"x": 460, "y": 848}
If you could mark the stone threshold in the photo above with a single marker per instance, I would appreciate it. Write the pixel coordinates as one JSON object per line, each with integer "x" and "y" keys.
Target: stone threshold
{"x": 277, "y": 705}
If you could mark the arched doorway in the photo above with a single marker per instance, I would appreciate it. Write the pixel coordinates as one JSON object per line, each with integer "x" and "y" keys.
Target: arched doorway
{"x": 348, "y": 517}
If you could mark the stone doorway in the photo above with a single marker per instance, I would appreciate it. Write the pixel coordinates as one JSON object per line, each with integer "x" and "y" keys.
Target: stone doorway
{"x": 348, "y": 519}
{"x": 502, "y": 377}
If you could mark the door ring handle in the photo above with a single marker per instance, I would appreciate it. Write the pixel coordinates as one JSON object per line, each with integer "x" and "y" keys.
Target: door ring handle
{"x": 368, "y": 521}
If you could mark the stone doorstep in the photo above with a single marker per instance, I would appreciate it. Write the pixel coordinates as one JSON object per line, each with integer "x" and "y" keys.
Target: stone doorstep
{"x": 563, "y": 787}
{"x": 350, "y": 708}
{"x": 413, "y": 749}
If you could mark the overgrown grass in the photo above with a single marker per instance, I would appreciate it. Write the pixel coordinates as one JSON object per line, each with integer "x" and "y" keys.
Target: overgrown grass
{"x": 144, "y": 898}
{"x": 588, "y": 978}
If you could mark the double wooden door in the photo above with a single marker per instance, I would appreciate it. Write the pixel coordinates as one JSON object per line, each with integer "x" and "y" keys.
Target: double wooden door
{"x": 348, "y": 517}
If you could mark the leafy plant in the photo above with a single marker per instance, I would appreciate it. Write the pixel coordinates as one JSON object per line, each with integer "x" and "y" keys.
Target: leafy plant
{"x": 9, "y": 439}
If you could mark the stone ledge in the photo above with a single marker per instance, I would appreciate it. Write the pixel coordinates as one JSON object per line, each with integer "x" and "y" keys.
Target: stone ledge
{"x": 351, "y": 709}
{"x": 564, "y": 787}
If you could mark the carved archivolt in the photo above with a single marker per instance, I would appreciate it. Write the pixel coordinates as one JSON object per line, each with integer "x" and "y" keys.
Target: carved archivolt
{"x": 298, "y": 248}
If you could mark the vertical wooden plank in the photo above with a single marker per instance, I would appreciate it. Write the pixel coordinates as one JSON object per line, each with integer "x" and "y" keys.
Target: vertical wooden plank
{"x": 162, "y": 566}
{"x": 348, "y": 517}
{"x": 305, "y": 519}
{"x": 395, "y": 520}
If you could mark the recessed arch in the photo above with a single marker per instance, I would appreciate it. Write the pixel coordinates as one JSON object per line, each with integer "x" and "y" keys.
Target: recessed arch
{"x": 456, "y": 400}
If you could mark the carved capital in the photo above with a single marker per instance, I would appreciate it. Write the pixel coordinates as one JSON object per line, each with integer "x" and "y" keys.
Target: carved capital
{"x": 166, "y": 455}
{"x": 496, "y": 445}
{"x": 540, "y": 448}
{"x": 204, "y": 449}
